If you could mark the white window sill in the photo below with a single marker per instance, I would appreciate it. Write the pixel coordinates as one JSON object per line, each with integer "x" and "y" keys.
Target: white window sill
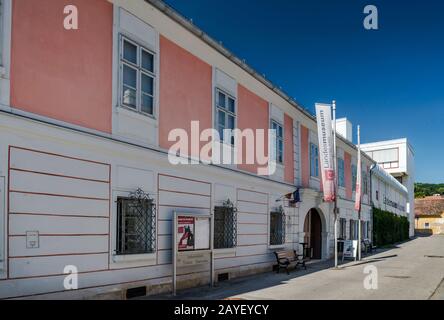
{"x": 148, "y": 257}
{"x": 315, "y": 178}
{"x": 136, "y": 114}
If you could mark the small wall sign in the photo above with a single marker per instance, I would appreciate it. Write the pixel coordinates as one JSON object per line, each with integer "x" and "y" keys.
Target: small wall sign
{"x": 32, "y": 239}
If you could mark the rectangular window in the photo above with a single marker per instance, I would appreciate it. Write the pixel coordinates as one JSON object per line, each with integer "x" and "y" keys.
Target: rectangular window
{"x": 426, "y": 225}
{"x": 341, "y": 179}
{"x": 138, "y": 77}
{"x": 354, "y": 229}
{"x": 277, "y": 227}
{"x": 354, "y": 177}
{"x": 135, "y": 226}
{"x": 343, "y": 228}
{"x": 225, "y": 116}
{"x": 279, "y": 141}
{"x": 314, "y": 160}
{"x": 364, "y": 182}
{"x": 225, "y": 225}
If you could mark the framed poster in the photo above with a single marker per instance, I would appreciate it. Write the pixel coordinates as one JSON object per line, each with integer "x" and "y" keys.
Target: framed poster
{"x": 350, "y": 249}
{"x": 202, "y": 228}
{"x": 185, "y": 233}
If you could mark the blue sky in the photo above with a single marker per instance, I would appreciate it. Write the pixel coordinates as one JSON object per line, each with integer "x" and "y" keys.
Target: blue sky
{"x": 390, "y": 81}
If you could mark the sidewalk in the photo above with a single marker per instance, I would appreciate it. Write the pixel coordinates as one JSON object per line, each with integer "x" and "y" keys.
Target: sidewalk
{"x": 400, "y": 276}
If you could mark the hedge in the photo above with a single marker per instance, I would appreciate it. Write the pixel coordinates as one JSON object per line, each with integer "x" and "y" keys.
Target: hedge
{"x": 389, "y": 228}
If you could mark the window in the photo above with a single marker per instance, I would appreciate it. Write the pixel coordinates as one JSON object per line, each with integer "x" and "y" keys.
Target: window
{"x": 314, "y": 160}
{"x": 377, "y": 195}
{"x": 225, "y": 116}
{"x": 364, "y": 182}
{"x": 343, "y": 228}
{"x": 354, "y": 177}
{"x": 136, "y": 224}
{"x": 341, "y": 179}
{"x": 364, "y": 229}
{"x": 225, "y": 225}
{"x": 426, "y": 225}
{"x": 387, "y": 158}
{"x": 277, "y": 227}
{"x": 354, "y": 229}
{"x": 279, "y": 141}
{"x": 137, "y": 68}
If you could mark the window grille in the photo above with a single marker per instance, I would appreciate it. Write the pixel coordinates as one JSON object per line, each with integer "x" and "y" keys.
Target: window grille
{"x": 277, "y": 227}
{"x": 136, "y": 224}
{"x": 225, "y": 225}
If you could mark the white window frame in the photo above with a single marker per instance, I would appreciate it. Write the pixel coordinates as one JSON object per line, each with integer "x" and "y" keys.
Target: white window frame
{"x": 278, "y": 139}
{"x": 354, "y": 176}
{"x": 314, "y": 160}
{"x": 139, "y": 71}
{"x": 226, "y": 112}
{"x": 341, "y": 174}
{"x": 364, "y": 183}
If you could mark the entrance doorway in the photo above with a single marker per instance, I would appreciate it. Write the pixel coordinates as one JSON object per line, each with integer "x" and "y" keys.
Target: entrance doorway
{"x": 313, "y": 234}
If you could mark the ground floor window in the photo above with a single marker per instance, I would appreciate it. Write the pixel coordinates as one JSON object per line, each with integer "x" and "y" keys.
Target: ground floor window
{"x": 136, "y": 224}
{"x": 354, "y": 229}
{"x": 277, "y": 227}
{"x": 225, "y": 226}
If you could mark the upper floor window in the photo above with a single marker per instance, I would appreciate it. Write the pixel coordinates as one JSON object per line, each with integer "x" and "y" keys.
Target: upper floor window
{"x": 354, "y": 176}
{"x": 314, "y": 160}
{"x": 225, "y": 116}
{"x": 341, "y": 178}
{"x": 364, "y": 182}
{"x": 279, "y": 133}
{"x": 138, "y": 74}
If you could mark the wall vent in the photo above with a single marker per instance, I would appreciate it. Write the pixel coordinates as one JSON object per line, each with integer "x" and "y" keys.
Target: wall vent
{"x": 135, "y": 292}
{"x": 223, "y": 277}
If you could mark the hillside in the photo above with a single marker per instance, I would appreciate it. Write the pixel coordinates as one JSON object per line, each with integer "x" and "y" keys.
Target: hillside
{"x": 428, "y": 189}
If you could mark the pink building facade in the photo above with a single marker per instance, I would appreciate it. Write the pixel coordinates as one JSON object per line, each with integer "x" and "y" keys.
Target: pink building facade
{"x": 85, "y": 117}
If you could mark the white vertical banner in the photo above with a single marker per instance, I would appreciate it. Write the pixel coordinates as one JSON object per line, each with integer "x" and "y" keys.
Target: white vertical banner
{"x": 325, "y": 135}
{"x": 358, "y": 177}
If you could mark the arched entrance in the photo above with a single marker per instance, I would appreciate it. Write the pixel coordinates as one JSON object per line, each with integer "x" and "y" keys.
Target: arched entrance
{"x": 313, "y": 233}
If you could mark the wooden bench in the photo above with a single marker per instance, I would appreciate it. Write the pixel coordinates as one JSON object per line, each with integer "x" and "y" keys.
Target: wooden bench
{"x": 367, "y": 246}
{"x": 287, "y": 258}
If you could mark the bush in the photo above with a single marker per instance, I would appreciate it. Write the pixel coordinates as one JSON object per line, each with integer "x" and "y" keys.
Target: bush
{"x": 389, "y": 228}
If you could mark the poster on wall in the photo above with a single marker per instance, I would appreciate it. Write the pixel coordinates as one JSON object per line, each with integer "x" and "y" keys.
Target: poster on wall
{"x": 350, "y": 249}
{"x": 185, "y": 233}
{"x": 202, "y": 228}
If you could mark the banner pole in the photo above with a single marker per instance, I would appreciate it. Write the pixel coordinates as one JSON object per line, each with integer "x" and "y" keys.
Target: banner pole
{"x": 335, "y": 209}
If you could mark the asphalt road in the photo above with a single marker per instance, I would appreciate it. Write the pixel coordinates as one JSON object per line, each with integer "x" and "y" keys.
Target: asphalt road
{"x": 411, "y": 270}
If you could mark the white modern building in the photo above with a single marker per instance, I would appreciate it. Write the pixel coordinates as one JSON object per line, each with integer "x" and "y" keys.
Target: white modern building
{"x": 397, "y": 158}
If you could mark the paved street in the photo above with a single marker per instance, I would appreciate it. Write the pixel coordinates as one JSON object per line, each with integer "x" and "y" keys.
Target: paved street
{"x": 412, "y": 270}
